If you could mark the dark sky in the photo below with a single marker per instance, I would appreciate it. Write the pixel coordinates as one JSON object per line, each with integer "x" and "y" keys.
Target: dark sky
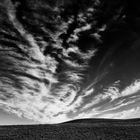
{"x": 64, "y": 60}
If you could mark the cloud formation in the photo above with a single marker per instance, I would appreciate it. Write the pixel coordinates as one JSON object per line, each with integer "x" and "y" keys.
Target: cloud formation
{"x": 44, "y": 71}
{"x": 31, "y": 85}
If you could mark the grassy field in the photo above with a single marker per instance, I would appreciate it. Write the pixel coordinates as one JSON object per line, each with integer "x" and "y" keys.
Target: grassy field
{"x": 90, "y": 129}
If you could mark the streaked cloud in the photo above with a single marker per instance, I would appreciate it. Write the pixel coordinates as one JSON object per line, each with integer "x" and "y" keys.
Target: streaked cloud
{"x": 33, "y": 88}
{"x": 132, "y": 89}
{"x": 114, "y": 92}
{"x": 126, "y": 114}
{"x": 47, "y": 84}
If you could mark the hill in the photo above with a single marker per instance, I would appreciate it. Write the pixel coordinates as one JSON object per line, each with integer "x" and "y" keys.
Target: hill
{"x": 84, "y": 129}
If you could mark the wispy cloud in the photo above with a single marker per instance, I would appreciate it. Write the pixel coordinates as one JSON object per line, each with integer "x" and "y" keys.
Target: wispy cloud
{"x": 125, "y": 114}
{"x": 116, "y": 99}
{"x": 33, "y": 87}
{"x": 115, "y": 112}
{"x": 132, "y": 89}
{"x": 114, "y": 92}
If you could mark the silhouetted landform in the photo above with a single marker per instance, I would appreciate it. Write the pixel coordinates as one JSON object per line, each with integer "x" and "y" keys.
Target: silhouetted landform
{"x": 104, "y": 121}
{"x": 83, "y": 129}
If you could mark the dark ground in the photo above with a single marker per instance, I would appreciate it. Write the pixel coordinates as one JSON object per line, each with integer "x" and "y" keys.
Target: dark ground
{"x": 75, "y": 130}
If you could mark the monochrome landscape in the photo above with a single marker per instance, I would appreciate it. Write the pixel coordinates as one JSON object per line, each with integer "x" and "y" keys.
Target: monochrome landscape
{"x": 69, "y": 69}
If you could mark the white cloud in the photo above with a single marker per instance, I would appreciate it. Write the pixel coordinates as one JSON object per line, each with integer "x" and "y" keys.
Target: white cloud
{"x": 132, "y": 89}
{"x": 87, "y": 114}
{"x": 33, "y": 50}
{"x": 95, "y": 100}
{"x": 111, "y": 113}
{"x": 114, "y": 92}
{"x": 43, "y": 96}
{"x": 89, "y": 91}
{"x": 125, "y": 114}
{"x": 74, "y": 76}
{"x": 83, "y": 28}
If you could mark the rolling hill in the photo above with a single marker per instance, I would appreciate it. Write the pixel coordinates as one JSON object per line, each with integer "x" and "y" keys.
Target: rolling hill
{"x": 83, "y": 129}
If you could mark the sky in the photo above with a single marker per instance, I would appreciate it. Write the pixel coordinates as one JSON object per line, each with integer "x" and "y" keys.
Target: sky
{"x": 69, "y": 62}
{"x": 11, "y": 119}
